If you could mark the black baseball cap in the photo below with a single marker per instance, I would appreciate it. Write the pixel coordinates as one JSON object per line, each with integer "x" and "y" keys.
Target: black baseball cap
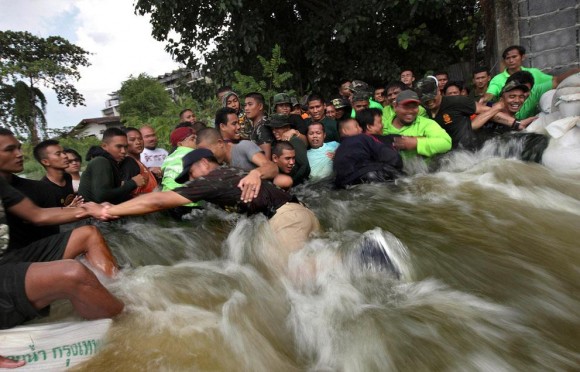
{"x": 191, "y": 158}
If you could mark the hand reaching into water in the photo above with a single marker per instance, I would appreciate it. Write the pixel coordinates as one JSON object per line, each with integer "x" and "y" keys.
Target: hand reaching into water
{"x": 9, "y": 363}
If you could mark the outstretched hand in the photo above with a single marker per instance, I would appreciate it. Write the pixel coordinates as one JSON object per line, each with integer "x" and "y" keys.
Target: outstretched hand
{"x": 98, "y": 211}
{"x": 250, "y": 186}
{"x": 9, "y": 363}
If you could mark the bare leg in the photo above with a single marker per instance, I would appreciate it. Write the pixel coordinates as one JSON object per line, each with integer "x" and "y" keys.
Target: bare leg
{"x": 47, "y": 282}
{"x": 89, "y": 241}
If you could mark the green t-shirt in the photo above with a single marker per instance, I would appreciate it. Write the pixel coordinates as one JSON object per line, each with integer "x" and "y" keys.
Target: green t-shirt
{"x": 172, "y": 167}
{"x": 496, "y": 84}
{"x": 542, "y": 84}
{"x": 432, "y": 138}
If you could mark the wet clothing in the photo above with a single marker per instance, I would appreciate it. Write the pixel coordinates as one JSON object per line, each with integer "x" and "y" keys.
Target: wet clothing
{"x": 432, "y": 139}
{"x": 22, "y": 232}
{"x": 220, "y": 187}
{"x": 102, "y": 181}
{"x": 292, "y": 222}
{"x": 15, "y": 308}
{"x": 454, "y": 116}
{"x": 63, "y": 195}
{"x": 330, "y": 128}
{"x": 320, "y": 163}
{"x": 362, "y": 159}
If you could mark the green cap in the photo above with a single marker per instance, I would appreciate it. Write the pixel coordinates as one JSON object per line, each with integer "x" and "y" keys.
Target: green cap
{"x": 278, "y": 121}
{"x": 282, "y": 98}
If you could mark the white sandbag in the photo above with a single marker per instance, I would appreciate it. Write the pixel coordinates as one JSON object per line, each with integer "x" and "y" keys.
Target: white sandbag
{"x": 539, "y": 125}
{"x": 558, "y": 128}
{"x": 53, "y": 346}
{"x": 569, "y": 104}
{"x": 563, "y": 154}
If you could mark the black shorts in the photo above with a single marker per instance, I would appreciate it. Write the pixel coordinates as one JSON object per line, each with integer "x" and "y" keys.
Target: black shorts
{"x": 48, "y": 249}
{"x": 15, "y": 308}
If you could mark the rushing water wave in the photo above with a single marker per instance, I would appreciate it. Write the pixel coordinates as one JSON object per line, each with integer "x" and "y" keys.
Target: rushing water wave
{"x": 488, "y": 254}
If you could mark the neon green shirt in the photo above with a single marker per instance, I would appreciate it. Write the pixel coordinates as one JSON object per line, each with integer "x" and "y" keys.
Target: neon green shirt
{"x": 432, "y": 139}
{"x": 496, "y": 84}
{"x": 389, "y": 115}
{"x": 172, "y": 167}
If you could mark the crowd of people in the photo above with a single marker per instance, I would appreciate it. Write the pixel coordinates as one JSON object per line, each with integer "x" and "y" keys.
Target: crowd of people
{"x": 246, "y": 162}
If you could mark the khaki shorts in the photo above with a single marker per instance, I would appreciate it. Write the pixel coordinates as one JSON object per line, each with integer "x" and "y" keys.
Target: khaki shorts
{"x": 293, "y": 224}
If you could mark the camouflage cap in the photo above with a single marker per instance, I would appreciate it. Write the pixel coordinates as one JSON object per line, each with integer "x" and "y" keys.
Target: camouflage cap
{"x": 359, "y": 86}
{"x": 282, "y": 98}
{"x": 513, "y": 85}
{"x": 340, "y": 103}
{"x": 278, "y": 121}
{"x": 360, "y": 96}
{"x": 427, "y": 88}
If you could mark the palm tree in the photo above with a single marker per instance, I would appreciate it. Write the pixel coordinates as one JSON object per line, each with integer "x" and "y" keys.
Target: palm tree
{"x": 22, "y": 108}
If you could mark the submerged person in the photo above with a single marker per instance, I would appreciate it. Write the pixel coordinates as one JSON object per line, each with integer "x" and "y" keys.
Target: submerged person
{"x": 205, "y": 179}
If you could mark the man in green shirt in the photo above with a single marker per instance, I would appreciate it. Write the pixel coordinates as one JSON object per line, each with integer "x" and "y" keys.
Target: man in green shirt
{"x": 392, "y": 90}
{"x": 513, "y": 57}
{"x": 418, "y": 135}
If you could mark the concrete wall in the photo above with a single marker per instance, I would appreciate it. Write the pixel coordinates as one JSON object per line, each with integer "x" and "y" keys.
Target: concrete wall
{"x": 550, "y": 32}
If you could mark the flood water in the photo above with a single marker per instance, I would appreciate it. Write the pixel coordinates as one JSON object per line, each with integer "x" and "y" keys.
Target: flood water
{"x": 489, "y": 254}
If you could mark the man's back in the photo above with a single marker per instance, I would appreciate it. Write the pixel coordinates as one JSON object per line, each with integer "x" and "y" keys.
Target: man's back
{"x": 361, "y": 154}
{"x": 454, "y": 116}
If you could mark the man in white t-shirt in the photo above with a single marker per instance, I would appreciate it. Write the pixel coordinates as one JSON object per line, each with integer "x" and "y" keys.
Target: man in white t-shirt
{"x": 152, "y": 156}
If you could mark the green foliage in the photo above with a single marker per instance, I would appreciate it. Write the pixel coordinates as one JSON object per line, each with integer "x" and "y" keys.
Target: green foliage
{"x": 22, "y": 109}
{"x": 323, "y": 40}
{"x": 274, "y": 81}
{"x": 52, "y": 62}
{"x": 145, "y": 101}
{"x": 143, "y": 98}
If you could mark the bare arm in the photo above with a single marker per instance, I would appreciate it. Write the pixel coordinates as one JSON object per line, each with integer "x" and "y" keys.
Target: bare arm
{"x": 486, "y": 98}
{"x": 484, "y": 117}
{"x": 265, "y": 167}
{"x": 143, "y": 204}
{"x": 30, "y": 212}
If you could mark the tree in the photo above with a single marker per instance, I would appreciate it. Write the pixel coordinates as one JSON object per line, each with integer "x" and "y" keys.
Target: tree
{"x": 323, "y": 40}
{"x": 274, "y": 81}
{"x": 23, "y": 107}
{"x": 143, "y": 97}
{"x": 52, "y": 62}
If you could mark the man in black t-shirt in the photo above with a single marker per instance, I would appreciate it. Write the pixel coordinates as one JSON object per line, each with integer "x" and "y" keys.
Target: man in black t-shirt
{"x": 452, "y": 113}
{"x": 33, "y": 277}
{"x": 291, "y": 221}
{"x": 51, "y": 156}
